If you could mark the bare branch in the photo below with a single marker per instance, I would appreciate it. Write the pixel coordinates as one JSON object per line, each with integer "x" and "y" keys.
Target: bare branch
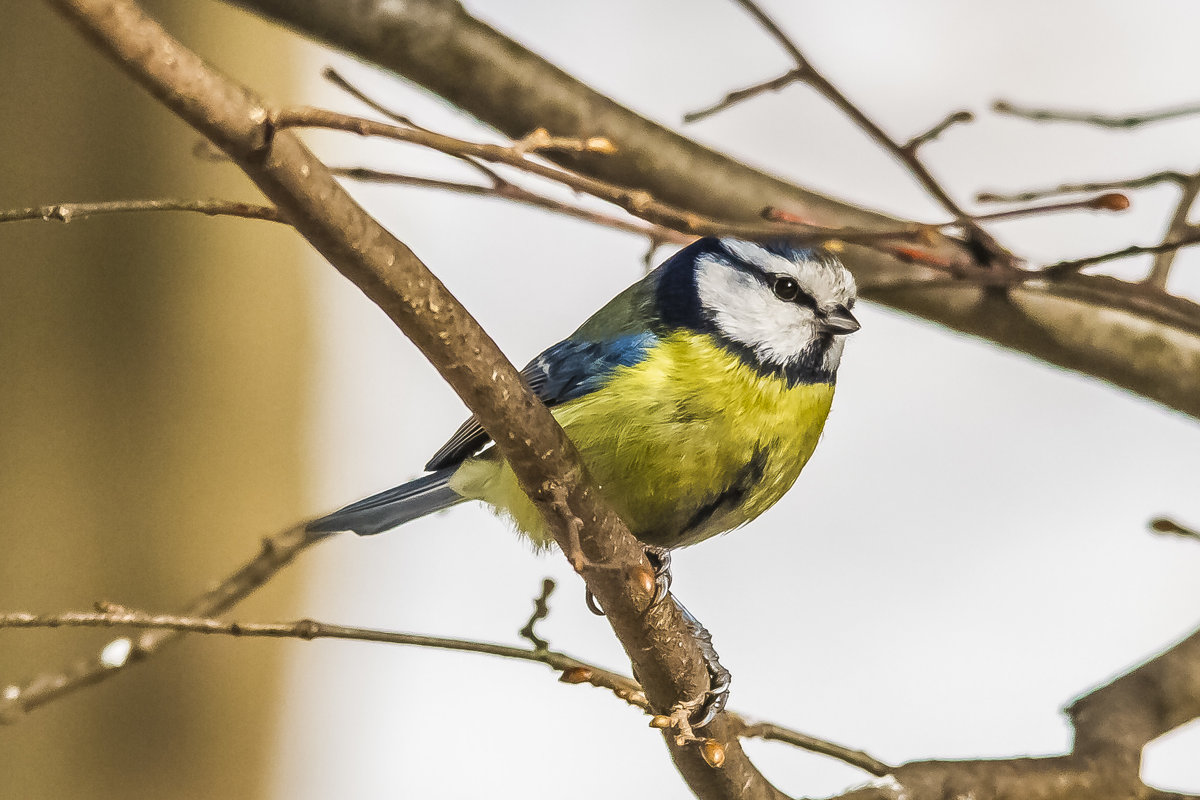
{"x": 922, "y": 139}
{"x": 1112, "y": 201}
{"x": 1178, "y": 229}
{"x": 1030, "y": 195}
{"x": 857, "y": 758}
{"x": 1067, "y": 267}
{"x": 546, "y": 464}
{"x": 1096, "y": 325}
{"x": 638, "y": 203}
{"x": 506, "y": 190}
{"x": 338, "y": 80}
{"x": 541, "y": 610}
{"x": 738, "y": 95}
{"x": 1116, "y": 721}
{"x": 570, "y": 669}
{"x": 277, "y": 552}
{"x": 989, "y": 250}
{"x": 1112, "y": 723}
{"x": 70, "y": 212}
{"x": 1092, "y": 118}
{"x": 1173, "y": 528}
{"x": 111, "y": 616}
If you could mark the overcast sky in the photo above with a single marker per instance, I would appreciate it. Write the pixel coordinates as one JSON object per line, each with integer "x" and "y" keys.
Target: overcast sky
{"x": 965, "y": 553}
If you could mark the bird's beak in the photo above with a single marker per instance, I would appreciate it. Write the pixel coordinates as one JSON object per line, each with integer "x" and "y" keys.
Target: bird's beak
{"x": 839, "y": 321}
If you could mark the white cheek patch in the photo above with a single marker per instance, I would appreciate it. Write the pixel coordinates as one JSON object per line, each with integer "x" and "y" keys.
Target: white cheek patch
{"x": 746, "y": 310}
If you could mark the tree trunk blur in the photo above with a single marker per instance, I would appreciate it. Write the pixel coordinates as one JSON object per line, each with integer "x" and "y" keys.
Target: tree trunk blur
{"x": 150, "y": 413}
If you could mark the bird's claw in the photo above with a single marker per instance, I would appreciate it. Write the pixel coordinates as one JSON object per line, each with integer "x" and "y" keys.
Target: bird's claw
{"x": 660, "y": 562}
{"x": 700, "y": 711}
{"x": 713, "y": 701}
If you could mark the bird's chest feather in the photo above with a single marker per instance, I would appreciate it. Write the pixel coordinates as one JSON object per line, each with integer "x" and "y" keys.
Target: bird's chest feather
{"x": 693, "y": 441}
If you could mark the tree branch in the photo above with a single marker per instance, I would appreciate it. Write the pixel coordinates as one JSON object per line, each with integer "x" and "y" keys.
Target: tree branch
{"x": 70, "y": 212}
{"x": 1092, "y": 118}
{"x": 571, "y": 670}
{"x": 1170, "y": 526}
{"x": 1090, "y": 324}
{"x": 990, "y": 251}
{"x": 1030, "y": 195}
{"x": 276, "y": 553}
{"x": 1178, "y": 230}
{"x": 1170, "y": 246}
{"x": 1112, "y": 723}
{"x": 545, "y": 462}
{"x": 639, "y": 204}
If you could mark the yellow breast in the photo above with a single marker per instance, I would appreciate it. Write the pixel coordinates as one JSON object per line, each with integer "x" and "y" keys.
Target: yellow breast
{"x": 690, "y": 442}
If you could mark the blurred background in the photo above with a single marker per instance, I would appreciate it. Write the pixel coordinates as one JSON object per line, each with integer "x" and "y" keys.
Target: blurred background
{"x": 966, "y": 552}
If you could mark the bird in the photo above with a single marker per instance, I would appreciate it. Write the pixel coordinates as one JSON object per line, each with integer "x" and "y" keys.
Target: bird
{"x": 695, "y": 398}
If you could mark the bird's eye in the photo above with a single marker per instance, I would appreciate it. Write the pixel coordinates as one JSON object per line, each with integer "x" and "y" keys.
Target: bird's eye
{"x": 786, "y": 289}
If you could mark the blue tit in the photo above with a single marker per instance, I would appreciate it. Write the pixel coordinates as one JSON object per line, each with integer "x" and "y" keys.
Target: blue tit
{"x": 695, "y": 398}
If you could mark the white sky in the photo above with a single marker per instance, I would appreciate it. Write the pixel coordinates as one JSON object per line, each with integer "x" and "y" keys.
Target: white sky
{"x": 966, "y": 552}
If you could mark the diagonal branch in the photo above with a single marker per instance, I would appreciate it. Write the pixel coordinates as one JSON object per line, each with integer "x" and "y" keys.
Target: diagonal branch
{"x": 1178, "y": 230}
{"x": 738, "y": 95}
{"x": 277, "y": 552}
{"x": 990, "y": 251}
{"x": 545, "y": 462}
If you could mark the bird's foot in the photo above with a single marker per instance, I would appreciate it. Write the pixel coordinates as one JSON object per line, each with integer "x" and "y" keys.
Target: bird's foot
{"x": 660, "y": 562}
{"x": 705, "y": 708}
{"x": 699, "y": 711}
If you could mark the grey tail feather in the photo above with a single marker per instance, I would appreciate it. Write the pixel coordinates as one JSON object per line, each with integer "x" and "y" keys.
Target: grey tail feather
{"x": 386, "y": 510}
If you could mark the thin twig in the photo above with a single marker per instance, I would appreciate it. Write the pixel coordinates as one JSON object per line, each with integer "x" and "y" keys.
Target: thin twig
{"x": 774, "y": 733}
{"x": 1111, "y": 201}
{"x": 340, "y": 81}
{"x": 922, "y": 139}
{"x": 570, "y": 669}
{"x": 541, "y": 610}
{"x": 70, "y": 212}
{"x": 1030, "y": 195}
{"x": 507, "y": 190}
{"x": 1171, "y": 527}
{"x": 1177, "y": 229}
{"x": 738, "y": 95}
{"x": 111, "y": 616}
{"x": 277, "y": 552}
{"x": 987, "y": 249}
{"x": 636, "y": 202}
{"x": 1092, "y": 118}
{"x": 1067, "y": 267}
{"x": 537, "y": 141}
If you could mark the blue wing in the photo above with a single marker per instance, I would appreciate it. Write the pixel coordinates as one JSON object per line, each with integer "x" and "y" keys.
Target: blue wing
{"x": 564, "y": 372}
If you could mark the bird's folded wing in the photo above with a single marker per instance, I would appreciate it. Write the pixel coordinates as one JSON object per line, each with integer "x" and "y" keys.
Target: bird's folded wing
{"x": 566, "y": 371}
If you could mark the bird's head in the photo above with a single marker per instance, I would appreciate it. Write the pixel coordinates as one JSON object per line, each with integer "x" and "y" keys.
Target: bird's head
{"x": 785, "y": 309}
